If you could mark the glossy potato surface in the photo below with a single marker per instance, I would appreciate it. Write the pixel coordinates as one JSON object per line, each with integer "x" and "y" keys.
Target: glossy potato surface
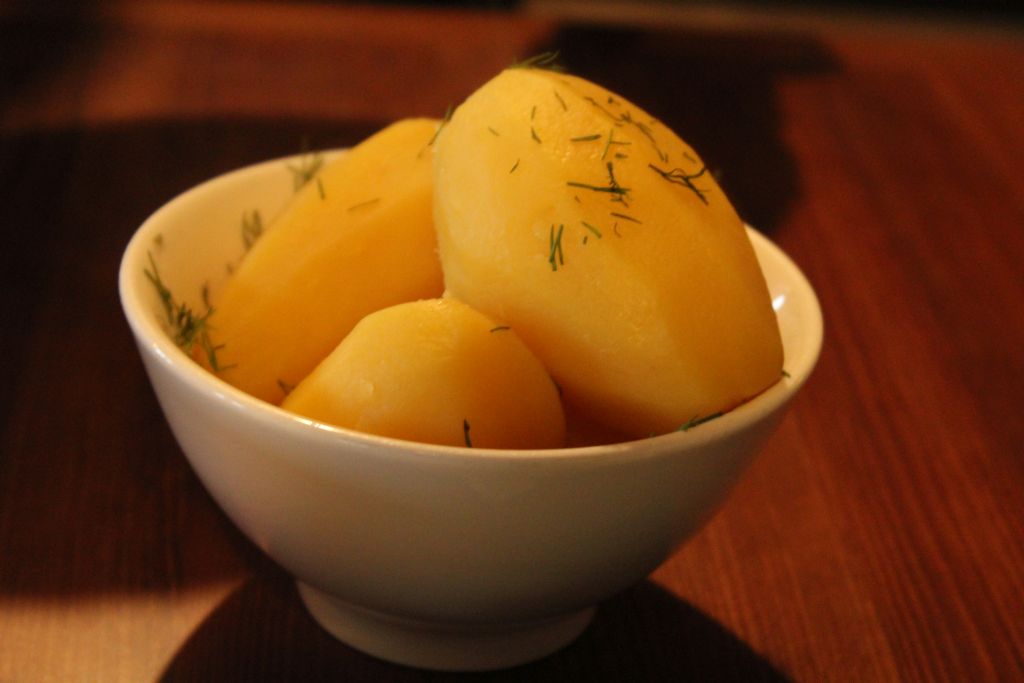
{"x": 357, "y": 237}
{"x": 435, "y": 371}
{"x": 602, "y": 239}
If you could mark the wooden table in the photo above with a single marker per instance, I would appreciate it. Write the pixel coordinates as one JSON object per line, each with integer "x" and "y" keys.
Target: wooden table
{"x": 880, "y": 536}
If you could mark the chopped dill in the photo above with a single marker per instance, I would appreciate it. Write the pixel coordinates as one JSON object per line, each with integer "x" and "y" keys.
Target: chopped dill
{"x": 695, "y": 421}
{"x": 188, "y": 329}
{"x": 308, "y": 166}
{"x": 626, "y": 218}
{"x": 533, "y": 112}
{"x": 545, "y": 60}
{"x": 565, "y": 107}
{"x": 514, "y": 167}
{"x": 599, "y": 188}
{"x": 555, "y": 256}
{"x": 252, "y": 228}
{"x": 320, "y": 188}
{"x": 679, "y": 177}
{"x": 500, "y": 328}
{"x": 591, "y": 228}
{"x": 363, "y": 205}
{"x": 440, "y": 127}
{"x": 586, "y": 138}
{"x": 494, "y": 132}
{"x": 465, "y": 433}
{"x": 612, "y": 141}
{"x": 533, "y": 134}
{"x": 608, "y": 143}
{"x": 786, "y": 374}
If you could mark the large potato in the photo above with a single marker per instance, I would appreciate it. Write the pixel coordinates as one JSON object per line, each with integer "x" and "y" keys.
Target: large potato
{"x": 602, "y": 239}
{"x": 435, "y": 371}
{"x": 356, "y": 238}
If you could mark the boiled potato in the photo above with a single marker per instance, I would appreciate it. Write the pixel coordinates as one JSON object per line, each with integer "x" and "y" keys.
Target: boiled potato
{"x": 356, "y": 238}
{"x": 435, "y": 371}
{"x": 602, "y": 239}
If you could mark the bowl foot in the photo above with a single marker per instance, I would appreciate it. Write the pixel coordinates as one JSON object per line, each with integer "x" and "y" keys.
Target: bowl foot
{"x": 442, "y": 646}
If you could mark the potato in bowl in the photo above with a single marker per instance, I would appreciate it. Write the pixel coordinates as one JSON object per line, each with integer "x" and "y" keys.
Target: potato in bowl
{"x": 438, "y": 556}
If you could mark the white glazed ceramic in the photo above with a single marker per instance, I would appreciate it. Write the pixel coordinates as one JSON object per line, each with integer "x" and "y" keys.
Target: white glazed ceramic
{"x": 436, "y": 557}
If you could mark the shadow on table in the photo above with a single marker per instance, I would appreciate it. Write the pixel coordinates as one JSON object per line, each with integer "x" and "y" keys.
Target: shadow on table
{"x": 262, "y": 632}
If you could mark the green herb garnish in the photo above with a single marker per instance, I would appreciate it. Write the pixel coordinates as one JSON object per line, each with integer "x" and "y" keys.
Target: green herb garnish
{"x": 187, "y": 328}
{"x": 363, "y": 205}
{"x": 500, "y": 328}
{"x": 545, "y": 60}
{"x": 555, "y": 256}
{"x": 696, "y": 421}
{"x": 599, "y": 188}
{"x": 565, "y": 107}
{"x": 533, "y": 134}
{"x": 586, "y": 138}
{"x": 465, "y": 433}
{"x": 591, "y": 228}
{"x": 252, "y": 228}
{"x": 308, "y": 166}
{"x": 680, "y": 177}
{"x": 626, "y": 218}
{"x": 514, "y": 166}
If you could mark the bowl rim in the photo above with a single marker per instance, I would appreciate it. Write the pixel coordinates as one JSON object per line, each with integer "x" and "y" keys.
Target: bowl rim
{"x": 153, "y": 340}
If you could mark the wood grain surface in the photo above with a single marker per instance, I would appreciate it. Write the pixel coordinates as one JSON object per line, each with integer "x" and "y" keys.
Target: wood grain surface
{"x": 879, "y": 535}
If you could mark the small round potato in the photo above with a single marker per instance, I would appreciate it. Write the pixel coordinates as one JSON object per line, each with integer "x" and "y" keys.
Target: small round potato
{"x": 435, "y": 371}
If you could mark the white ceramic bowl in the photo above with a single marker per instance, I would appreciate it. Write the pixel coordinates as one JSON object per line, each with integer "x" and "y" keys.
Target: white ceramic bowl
{"x": 436, "y": 557}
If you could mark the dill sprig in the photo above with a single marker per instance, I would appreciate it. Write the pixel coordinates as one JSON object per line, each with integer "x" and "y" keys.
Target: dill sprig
{"x": 308, "y": 166}
{"x": 440, "y": 127}
{"x": 533, "y": 134}
{"x": 500, "y": 328}
{"x": 252, "y": 228}
{"x": 696, "y": 421}
{"x": 586, "y": 138}
{"x": 514, "y": 167}
{"x": 545, "y": 60}
{"x": 363, "y": 205}
{"x": 555, "y": 256}
{"x": 680, "y": 177}
{"x": 565, "y": 107}
{"x": 627, "y": 119}
{"x": 616, "y": 190}
{"x": 591, "y": 228}
{"x": 626, "y": 218}
{"x": 188, "y": 329}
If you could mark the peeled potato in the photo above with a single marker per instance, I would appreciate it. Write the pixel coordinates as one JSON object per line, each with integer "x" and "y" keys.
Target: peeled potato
{"x": 439, "y": 372}
{"x": 356, "y": 238}
{"x": 602, "y": 239}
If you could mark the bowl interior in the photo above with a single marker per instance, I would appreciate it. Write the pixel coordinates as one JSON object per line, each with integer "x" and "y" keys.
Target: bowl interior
{"x": 196, "y": 240}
